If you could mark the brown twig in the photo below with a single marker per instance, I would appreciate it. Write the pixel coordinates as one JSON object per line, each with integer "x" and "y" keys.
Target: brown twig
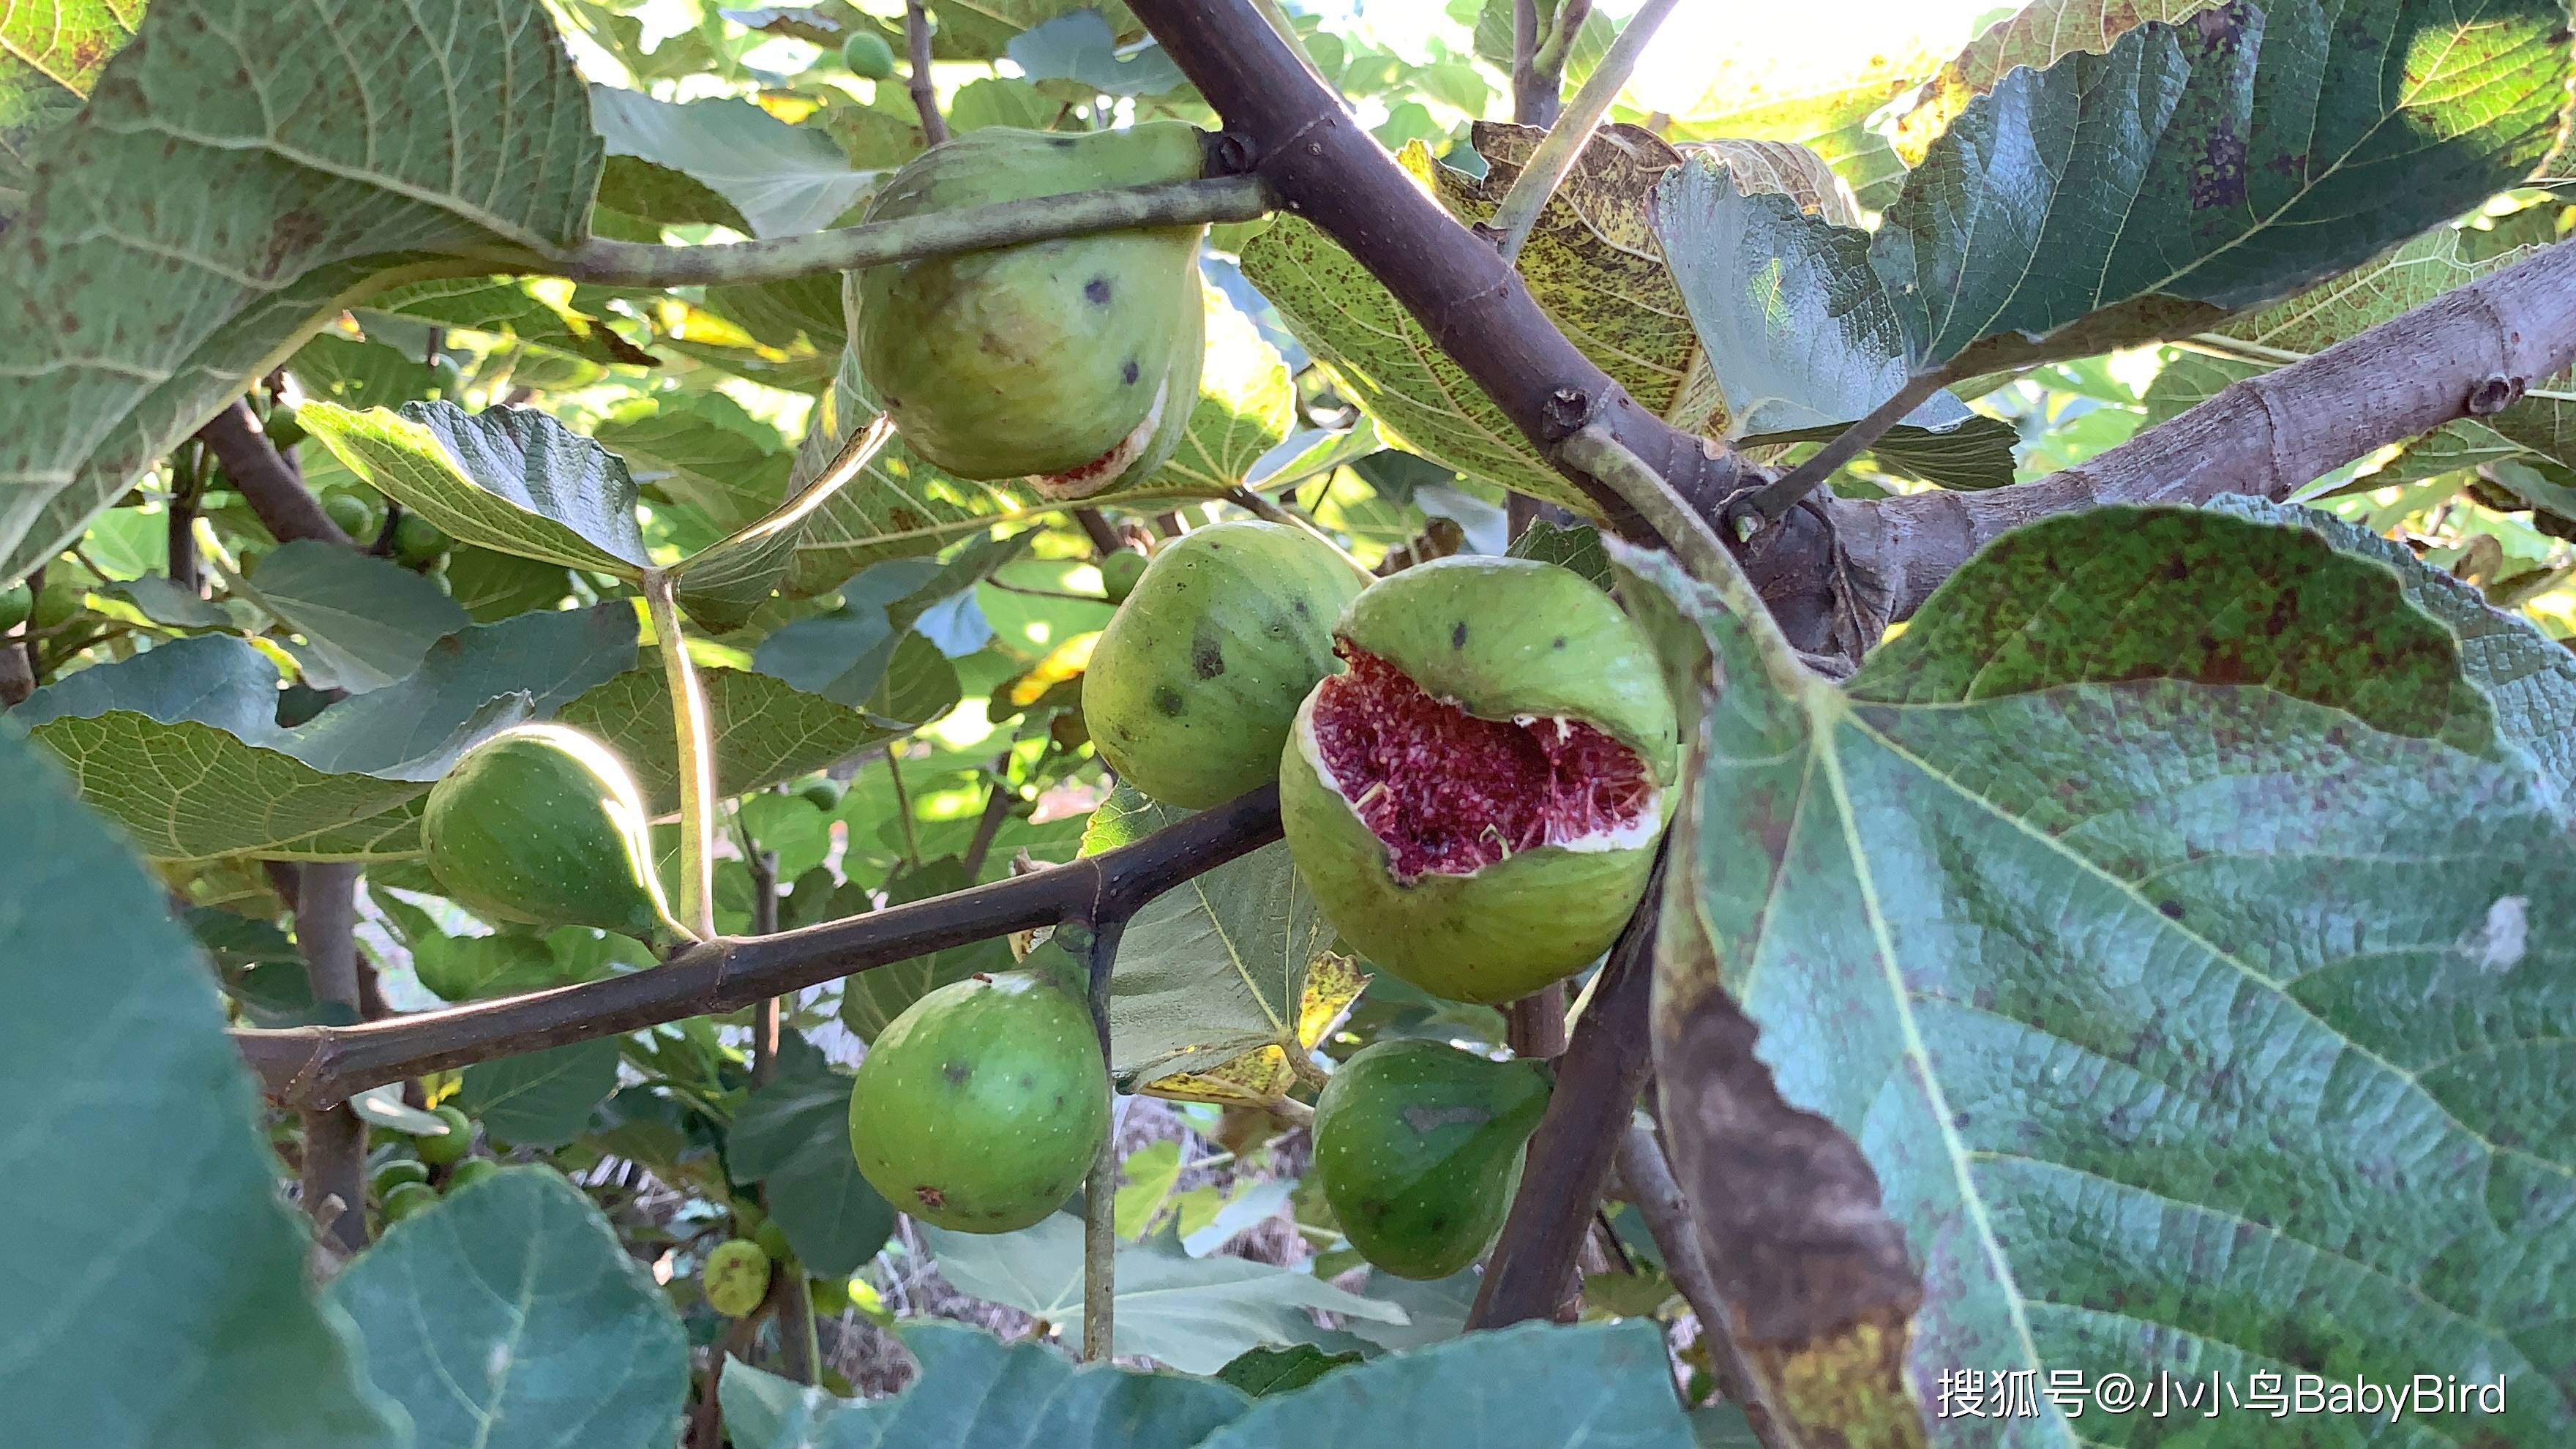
{"x": 272, "y": 487}
{"x": 1295, "y": 134}
{"x": 925, "y": 96}
{"x": 1534, "y": 1026}
{"x": 1597, "y": 1081}
{"x": 1099, "y": 953}
{"x": 314, "y": 1066}
{"x": 335, "y": 1140}
{"x": 998, "y": 805}
{"x": 188, "y": 475}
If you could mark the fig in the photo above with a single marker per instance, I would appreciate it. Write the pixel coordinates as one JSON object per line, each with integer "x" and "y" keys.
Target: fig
{"x": 773, "y": 1241}
{"x": 408, "y": 1200}
{"x": 450, "y": 1148}
{"x": 830, "y": 1296}
{"x": 469, "y": 1172}
{"x": 417, "y": 542}
{"x": 735, "y": 1276}
{"x": 393, "y": 1174}
{"x": 1073, "y": 362}
{"x": 1120, "y": 572}
{"x": 356, "y": 517}
{"x": 1418, "y": 1146}
{"x": 16, "y": 602}
{"x": 982, "y": 1105}
{"x": 867, "y": 54}
{"x": 1475, "y": 802}
{"x": 541, "y": 825}
{"x": 1191, "y": 689}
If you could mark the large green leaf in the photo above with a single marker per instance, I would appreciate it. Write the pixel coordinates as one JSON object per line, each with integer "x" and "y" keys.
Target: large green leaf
{"x": 229, "y": 186}
{"x": 793, "y": 1136}
{"x": 181, "y": 745}
{"x": 543, "y": 1098}
{"x": 974, "y": 1389}
{"x": 1530, "y": 1386}
{"x": 2035, "y": 37}
{"x": 1212, "y": 968}
{"x": 783, "y": 179}
{"x": 366, "y": 621}
{"x": 1191, "y": 1313}
{"x": 766, "y": 729}
{"x": 2198, "y": 169}
{"x": 1801, "y": 335}
{"x": 2198, "y": 1007}
{"x": 159, "y": 1299}
{"x": 510, "y": 1317}
{"x": 51, "y": 53}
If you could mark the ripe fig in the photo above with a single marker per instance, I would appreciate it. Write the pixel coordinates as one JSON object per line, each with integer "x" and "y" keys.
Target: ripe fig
{"x": 1475, "y": 803}
{"x": 541, "y": 825}
{"x": 867, "y": 54}
{"x": 1191, "y": 689}
{"x": 983, "y": 1104}
{"x": 1419, "y": 1145}
{"x": 451, "y": 1148}
{"x": 735, "y": 1276}
{"x": 1072, "y": 362}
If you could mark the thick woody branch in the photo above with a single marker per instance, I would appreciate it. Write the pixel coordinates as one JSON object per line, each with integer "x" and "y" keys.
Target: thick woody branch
{"x": 318, "y": 1065}
{"x": 268, "y": 483}
{"x": 870, "y": 244}
{"x": 2467, "y": 353}
{"x": 1328, "y": 169}
{"x": 1597, "y": 1081}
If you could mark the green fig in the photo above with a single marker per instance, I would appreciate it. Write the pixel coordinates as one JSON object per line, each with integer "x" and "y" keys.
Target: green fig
{"x": 1191, "y": 689}
{"x": 393, "y": 1174}
{"x": 16, "y": 602}
{"x": 824, "y": 794}
{"x": 982, "y": 1105}
{"x": 736, "y": 1277}
{"x": 541, "y": 825}
{"x": 773, "y": 1241}
{"x": 449, "y": 1148}
{"x": 469, "y": 1172}
{"x": 60, "y": 601}
{"x": 1476, "y": 802}
{"x": 408, "y": 1200}
{"x": 1419, "y": 1145}
{"x": 830, "y": 1296}
{"x": 356, "y": 517}
{"x": 417, "y": 542}
{"x": 1073, "y": 362}
{"x": 1120, "y": 572}
{"x": 867, "y": 54}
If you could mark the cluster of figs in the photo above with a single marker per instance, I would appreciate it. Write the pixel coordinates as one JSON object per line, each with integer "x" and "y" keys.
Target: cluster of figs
{"x": 1474, "y": 756}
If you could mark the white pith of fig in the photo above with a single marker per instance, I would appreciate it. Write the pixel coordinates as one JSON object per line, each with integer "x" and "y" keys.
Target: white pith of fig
{"x": 1476, "y": 803}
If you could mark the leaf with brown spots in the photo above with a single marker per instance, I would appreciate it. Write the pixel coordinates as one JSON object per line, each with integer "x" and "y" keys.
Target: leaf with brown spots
{"x": 229, "y": 185}
{"x": 2183, "y": 961}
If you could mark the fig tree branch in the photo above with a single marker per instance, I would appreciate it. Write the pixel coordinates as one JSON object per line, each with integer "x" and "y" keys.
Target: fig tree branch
{"x": 2467, "y": 353}
{"x": 268, "y": 483}
{"x": 1597, "y": 1081}
{"x": 318, "y": 1065}
{"x": 1565, "y": 140}
{"x": 1325, "y": 167}
{"x": 775, "y": 259}
{"x": 925, "y": 96}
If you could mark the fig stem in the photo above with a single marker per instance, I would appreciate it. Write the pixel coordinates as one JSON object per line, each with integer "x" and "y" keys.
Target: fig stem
{"x": 1563, "y": 145}
{"x": 877, "y": 243}
{"x": 693, "y": 733}
{"x": 1100, "y": 1187}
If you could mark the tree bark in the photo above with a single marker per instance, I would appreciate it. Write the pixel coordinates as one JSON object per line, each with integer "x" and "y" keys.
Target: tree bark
{"x": 272, "y": 487}
{"x": 335, "y": 1140}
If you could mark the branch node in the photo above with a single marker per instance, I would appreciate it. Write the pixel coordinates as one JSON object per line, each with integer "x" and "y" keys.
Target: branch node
{"x": 2492, "y": 394}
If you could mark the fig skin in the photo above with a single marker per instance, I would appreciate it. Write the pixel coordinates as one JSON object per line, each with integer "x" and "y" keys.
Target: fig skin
{"x": 1419, "y": 1147}
{"x": 1499, "y": 638}
{"x": 736, "y": 1277}
{"x": 982, "y": 1106}
{"x": 1191, "y": 690}
{"x": 1074, "y": 362}
{"x": 541, "y": 825}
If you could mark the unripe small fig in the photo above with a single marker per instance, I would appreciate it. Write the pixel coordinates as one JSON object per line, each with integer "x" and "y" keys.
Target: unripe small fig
{"x": 773, "y": 1241}
{"x": 1476, "y": 802}
{"x": 408, "y": 1200}
{"x": 16, "y": 602}
{"x": 867, "y": 54}
{"x": 1119, "y": 574}
{"x": 450, "y": 1148}
{"x": 735, "y": 1277}
{"x": 1418, "y": 1146}
{"x": 824, "y": 794}
{"x": 469, "y": 1172}
{"x": 356, "y": 517}
{"x": 418, "y": 543}
{"x": 393, "y": 1174}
